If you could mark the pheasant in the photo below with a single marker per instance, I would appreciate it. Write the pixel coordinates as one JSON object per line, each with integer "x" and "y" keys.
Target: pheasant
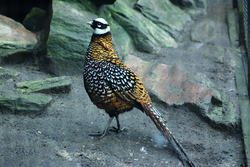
{"x": 112, "y": 86}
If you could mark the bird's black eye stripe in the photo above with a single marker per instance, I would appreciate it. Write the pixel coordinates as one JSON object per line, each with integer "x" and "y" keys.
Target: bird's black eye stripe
{"x": 97, "y": 24}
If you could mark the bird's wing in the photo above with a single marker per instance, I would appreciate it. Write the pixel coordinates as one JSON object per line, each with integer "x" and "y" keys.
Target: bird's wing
{"x": 124, "y": 82}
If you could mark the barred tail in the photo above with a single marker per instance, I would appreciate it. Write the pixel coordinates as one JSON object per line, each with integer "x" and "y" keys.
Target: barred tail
{"x": 159, "y": 121}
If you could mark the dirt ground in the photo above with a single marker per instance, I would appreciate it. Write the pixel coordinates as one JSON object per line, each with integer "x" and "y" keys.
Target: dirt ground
{"x": 59, "y": 136}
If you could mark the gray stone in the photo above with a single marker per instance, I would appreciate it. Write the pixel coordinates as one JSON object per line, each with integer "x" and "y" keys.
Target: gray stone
{"x": 146, "y": 35}
{"x": 176, "y": 86}
{"x": 34, "y": 21}
{"x": 203, "y": 31}
{"x": 184, "y": 3}
{"x": 193, "y": 7}
{"x": 14, "y": 38}
{"x": 27, "y": 103}
{"x": 190, "y": 3}
{"x": 49, "y": 85}
{"x": 69, "y": 36}
{"x": 6, "y": 74}
{"x": 103, "y": 2}
{"x": 201, "y": 3}
{"x": 164, "y": 14}
{"x": 217, "y": 107}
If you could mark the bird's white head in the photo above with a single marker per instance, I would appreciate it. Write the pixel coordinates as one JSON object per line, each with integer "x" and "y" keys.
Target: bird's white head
{"x": 100, "y": 26}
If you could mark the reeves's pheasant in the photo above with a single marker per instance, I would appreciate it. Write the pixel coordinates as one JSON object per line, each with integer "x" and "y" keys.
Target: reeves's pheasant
{"x": 112, "y": 86}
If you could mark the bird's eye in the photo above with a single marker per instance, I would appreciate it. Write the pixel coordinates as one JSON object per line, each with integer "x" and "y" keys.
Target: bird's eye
{"x": 99, "y": 25}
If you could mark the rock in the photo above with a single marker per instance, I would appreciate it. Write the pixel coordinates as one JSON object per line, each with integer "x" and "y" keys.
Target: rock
{"x": 6, "y": 74}
{"x": 175, "y": 86}
{"x": 107, "y": 2}
{"x": 34, "y": 21}
{"x": 14, "y": 38}
{"x": 184, "y": 3}
{"x": 64, "y": 154}
{"x": 194, "y": 8}
{"x": 203, "y": 31}
{"x": 201, "y": 3}
{"x": 27, "y": 103}
{"x": 146, "y": 36}
{"x": 164, "y": 14}
{"x": 69, "y": 36}
{"x": 190, "y": 3}
{"x": 216, "y": 108}
{"x": 50, "y": 85}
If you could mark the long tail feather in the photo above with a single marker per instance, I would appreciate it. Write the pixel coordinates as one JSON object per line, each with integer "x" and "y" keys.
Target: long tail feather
{"x": 159, "y": 121}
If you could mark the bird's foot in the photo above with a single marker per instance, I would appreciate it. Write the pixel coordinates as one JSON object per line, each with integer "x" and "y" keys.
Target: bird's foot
{"x": 105, "y": 132}
{"x": 102, "y": 134}
{"x": 118, "y": 130}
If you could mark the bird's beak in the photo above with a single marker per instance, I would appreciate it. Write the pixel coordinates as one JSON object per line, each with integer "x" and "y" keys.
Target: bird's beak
{"x": 90, "y": 23}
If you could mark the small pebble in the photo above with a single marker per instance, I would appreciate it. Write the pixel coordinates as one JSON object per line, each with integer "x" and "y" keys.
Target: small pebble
{"x": 143, "y": 149}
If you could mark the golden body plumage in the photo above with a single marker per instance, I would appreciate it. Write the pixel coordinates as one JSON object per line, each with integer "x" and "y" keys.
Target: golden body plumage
{"x": 116, "y": 95}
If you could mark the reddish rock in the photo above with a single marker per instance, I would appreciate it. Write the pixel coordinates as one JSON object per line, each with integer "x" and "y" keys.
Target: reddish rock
{"x": 169, "y": 83}
{"x": 14, "y": 37}
{"x": 175, "y": 86}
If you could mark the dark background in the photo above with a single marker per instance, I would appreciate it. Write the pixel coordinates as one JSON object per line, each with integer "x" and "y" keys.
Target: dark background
{"x": 18, "y": 9}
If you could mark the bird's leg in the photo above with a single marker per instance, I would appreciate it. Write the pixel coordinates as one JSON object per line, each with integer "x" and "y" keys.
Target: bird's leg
{"x": 118, "y": 129}
{"x": 105, "y": 130}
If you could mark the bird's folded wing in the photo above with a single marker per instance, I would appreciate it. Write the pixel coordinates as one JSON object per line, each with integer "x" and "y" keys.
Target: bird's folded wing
{"x": 125, "y": 82}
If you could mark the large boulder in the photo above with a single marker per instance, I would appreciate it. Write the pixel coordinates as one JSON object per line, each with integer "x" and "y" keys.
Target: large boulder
{"x": 176, "y": 86}
{"x": 146, "y": 35}
{"x": 15, "y": 40}
{"x": 163, "y": 13}
{"x": 69, "y": 36}
{"x": 203, "y": 31}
